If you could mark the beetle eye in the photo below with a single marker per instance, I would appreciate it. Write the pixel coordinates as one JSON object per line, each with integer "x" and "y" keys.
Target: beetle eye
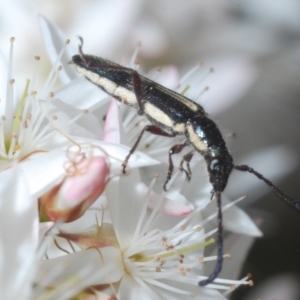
{"x": 214, "y": 164}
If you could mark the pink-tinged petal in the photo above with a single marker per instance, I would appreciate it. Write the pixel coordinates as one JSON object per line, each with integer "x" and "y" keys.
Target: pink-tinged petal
{"x": 116, "y": 154}
{"x": 70, "y": 199}
{"x": 18, "y": 235}
{"x": 86, "y": 184}
{"x": 176, "y": 208}
{"x": 111, "y": 132}
{"x": 173, "y": 208}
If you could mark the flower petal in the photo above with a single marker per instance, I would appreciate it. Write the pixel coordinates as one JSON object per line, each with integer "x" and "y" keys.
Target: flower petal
{"x": 88, "y": 267}
{"x": 54, "y": 40}
{"x": 81, "y": 94}
{"x": 43, "y": 228}
{"x": 265, "y": 162}
{"x": 234, "y": 219}
{"x": 178, "y": 207}
{"x": 61, "y": 116}
{"x": 44, "y": 171}
{"x": 116, "y": 154}
{"x": 80, "y": 188}
{"x": 168, "y": 76}
{"x": 124, "y": 201}
{"x": 111, "y": 132}
{"x": 238, "y": 247}
{"x": 104, "y": 27}
{"x": 18, "y": 235}
{"x": 3, "y": 81}
{"x": 130, "y": 289}
{"x": 223, "y": 82}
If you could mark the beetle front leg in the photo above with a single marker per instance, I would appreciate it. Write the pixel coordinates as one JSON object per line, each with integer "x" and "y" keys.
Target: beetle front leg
{"x": 150, "y": 128}
{"x": 174, "y": 150}
{"x": 186, "y": 158}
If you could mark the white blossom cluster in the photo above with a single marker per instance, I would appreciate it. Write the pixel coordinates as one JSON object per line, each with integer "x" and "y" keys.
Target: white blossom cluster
{"x": 72, "y": 226}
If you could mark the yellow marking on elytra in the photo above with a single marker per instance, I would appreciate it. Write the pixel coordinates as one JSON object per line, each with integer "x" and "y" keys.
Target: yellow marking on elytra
{"x": 107, "y": 84}
{"x": 180, "y": 127}
{"x": 195, "y": 140}
{"x": 127, "y": 96}
{"x": 187, "y": 102}
{"x": 161, "y": 117}
{"x": 158, "y": 115}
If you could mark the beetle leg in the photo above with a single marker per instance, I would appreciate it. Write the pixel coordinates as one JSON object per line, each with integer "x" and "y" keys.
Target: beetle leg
{"x": 174, "y": 150}
{"x": 150, "y": 128}
{"x": 187, "y": 158}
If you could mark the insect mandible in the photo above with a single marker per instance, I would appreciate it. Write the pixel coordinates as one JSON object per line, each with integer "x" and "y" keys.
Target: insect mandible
{"x": 171, "y": 114}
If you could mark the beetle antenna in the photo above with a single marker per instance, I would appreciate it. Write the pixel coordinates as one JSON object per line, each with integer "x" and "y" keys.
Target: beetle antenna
{"x": 278, "y": 191}
{"x": 80, "y": 50}
{"x": 218, "y": 266}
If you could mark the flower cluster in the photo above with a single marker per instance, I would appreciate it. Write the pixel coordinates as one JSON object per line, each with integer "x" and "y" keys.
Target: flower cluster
{"x": 71, "y": 225}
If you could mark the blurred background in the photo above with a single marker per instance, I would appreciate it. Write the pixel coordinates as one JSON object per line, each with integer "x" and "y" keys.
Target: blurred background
{"x": 254, "y": 93}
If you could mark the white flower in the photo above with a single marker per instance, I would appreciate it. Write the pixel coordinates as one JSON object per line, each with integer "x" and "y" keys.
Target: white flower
{"x": 115, "y": 133}
{"x": 151, "y": 258}
{"x": 24, "y": 128}
{"x": 30, "y": 132}
{"x": 139, "y": 249}
{"x": 132, "y": 22}
{"x": 35, "y": 130}
{"x": 152, "y": 248}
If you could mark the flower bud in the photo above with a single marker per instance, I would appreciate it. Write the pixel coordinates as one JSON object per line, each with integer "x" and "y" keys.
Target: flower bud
{"x": 70, "y": 199}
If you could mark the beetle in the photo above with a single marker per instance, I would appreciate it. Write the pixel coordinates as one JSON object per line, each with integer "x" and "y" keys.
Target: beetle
{"x": 171, "y": 114}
